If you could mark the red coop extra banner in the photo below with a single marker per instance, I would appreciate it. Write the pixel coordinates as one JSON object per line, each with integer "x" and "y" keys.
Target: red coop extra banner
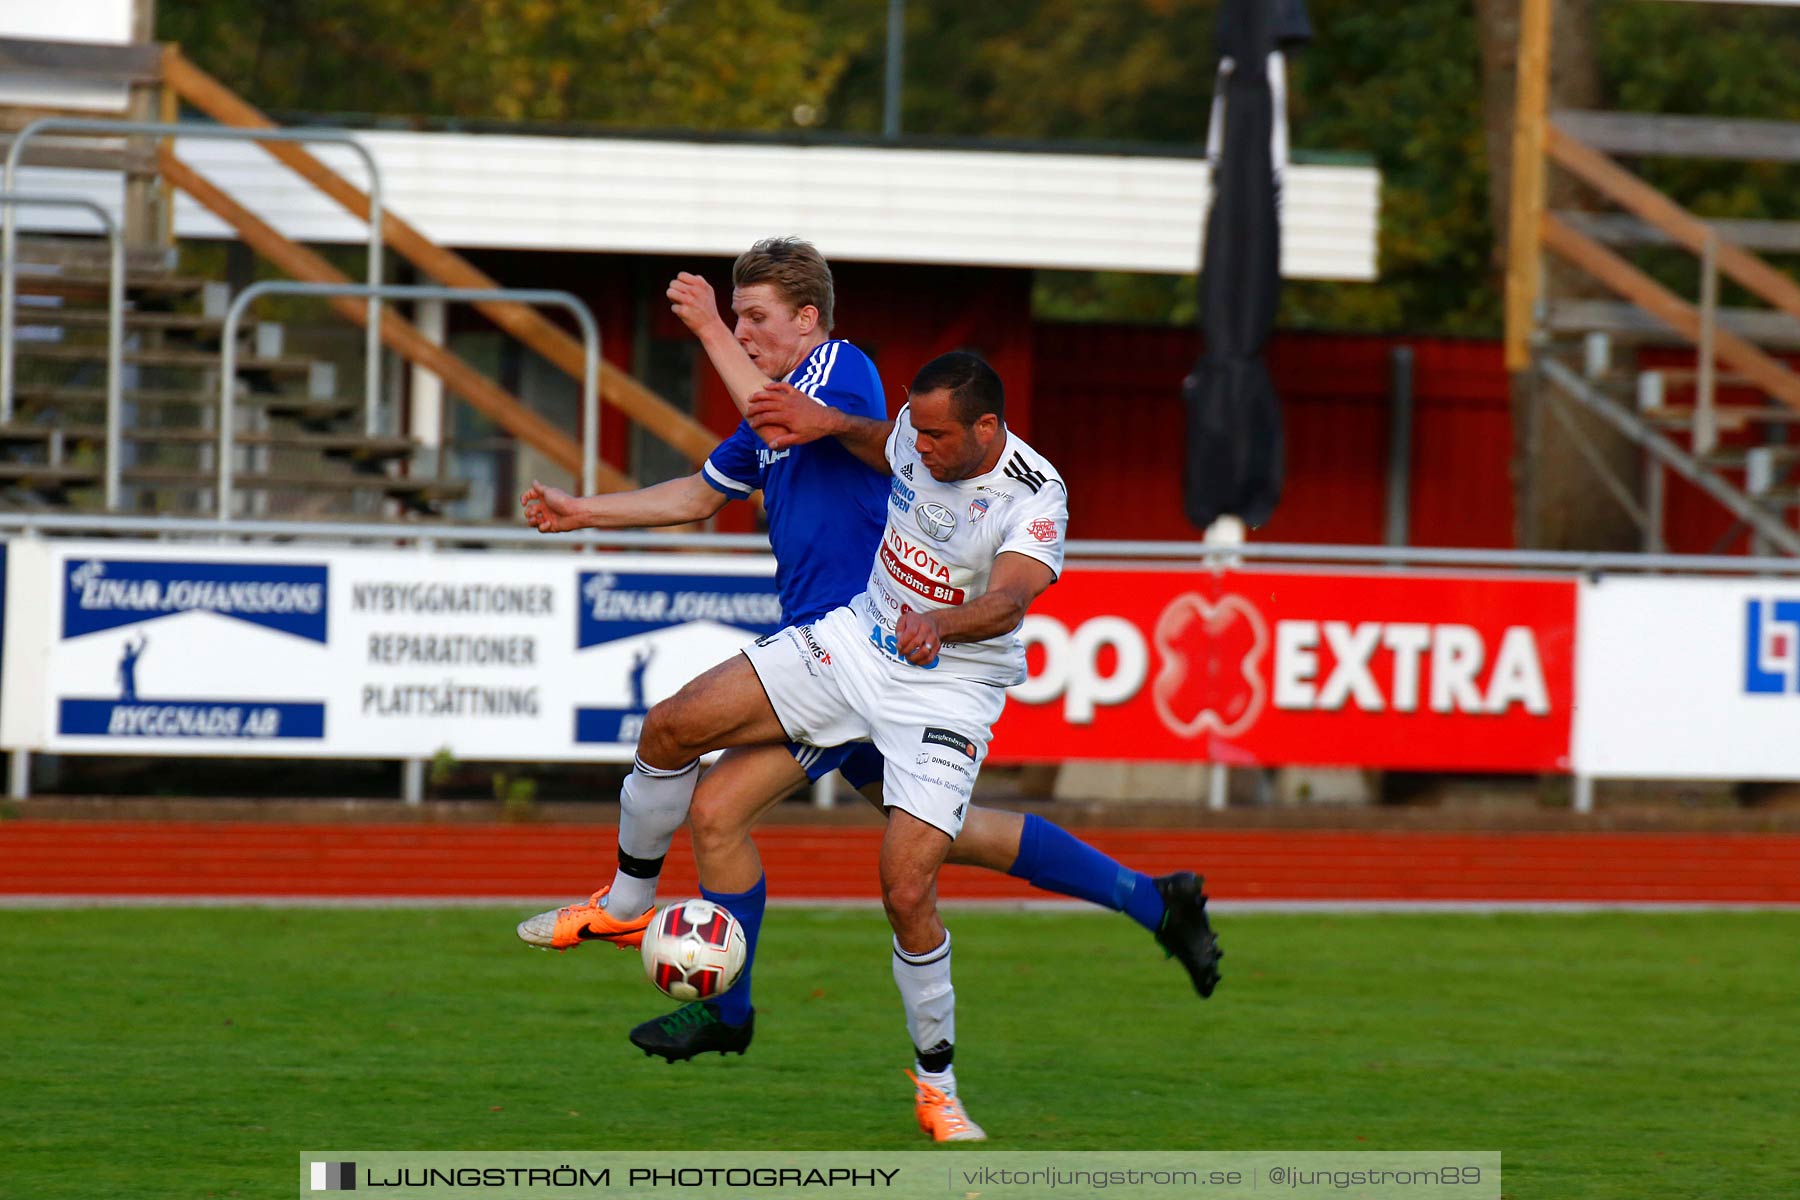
{"x": 1390, "y": 669}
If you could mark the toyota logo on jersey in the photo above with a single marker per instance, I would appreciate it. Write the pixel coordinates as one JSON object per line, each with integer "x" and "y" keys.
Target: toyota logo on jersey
{"x": 935, "y": 521}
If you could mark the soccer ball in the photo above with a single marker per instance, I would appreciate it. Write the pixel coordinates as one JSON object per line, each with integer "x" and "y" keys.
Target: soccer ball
{"x": 694, "y": 950}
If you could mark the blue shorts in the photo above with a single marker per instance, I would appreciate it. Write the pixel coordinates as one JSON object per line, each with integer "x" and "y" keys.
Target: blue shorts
{"x": 860, "y": 762}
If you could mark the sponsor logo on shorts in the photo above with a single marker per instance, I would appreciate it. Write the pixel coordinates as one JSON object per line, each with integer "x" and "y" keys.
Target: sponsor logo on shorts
{"x": 1043, "y": 529}
{"x": 935, "y": 521}
{"x": 928, "y": 759}
{"x": 962, "y": 743}
{"x": 812, "y": 647}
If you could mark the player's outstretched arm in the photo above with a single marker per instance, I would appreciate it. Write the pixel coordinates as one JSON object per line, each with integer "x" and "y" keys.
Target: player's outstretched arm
{"x": 691, "y": 299}
{"x": 1017, "y": 580}
{"x": 784, "y": 416}
{"x": 552, "y": 510}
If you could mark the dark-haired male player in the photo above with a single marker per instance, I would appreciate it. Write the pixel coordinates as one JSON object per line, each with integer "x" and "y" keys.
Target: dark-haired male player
{"x": 825, "y": 522}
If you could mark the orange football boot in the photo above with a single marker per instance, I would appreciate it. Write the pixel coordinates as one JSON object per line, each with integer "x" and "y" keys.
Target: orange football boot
{"x": 561, "y": 928}
{"x": 942, "y": 1116}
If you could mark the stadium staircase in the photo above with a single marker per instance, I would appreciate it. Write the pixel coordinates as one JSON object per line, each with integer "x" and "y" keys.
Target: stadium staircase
{"x": 1707, "y": 391}
{"x": 300, "y": 444}
{"x": 305, "y": 450}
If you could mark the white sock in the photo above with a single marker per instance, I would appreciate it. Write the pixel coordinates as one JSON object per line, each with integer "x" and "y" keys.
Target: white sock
{"x": 652, "y": 807}
{"x": 944, "y": 1081}
{"x": 924, "y": 983}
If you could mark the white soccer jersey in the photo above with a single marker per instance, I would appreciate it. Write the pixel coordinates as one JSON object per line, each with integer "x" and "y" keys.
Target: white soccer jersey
{"x": 941, "y": 540}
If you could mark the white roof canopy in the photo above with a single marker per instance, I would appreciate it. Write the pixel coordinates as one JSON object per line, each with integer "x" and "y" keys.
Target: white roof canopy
{"x": 1004, "y": 208}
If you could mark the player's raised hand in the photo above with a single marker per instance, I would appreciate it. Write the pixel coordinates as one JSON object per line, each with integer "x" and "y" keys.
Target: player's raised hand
{"x": 916, "y": 637}
{"x": 550, "y": 510}
{"x": 783, "y": 415}
{"x": 691, "y": 299}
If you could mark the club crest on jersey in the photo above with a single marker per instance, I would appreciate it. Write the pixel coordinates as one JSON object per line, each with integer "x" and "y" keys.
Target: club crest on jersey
{"x": 978, "y": 508}
{"x": 935, "y": 521}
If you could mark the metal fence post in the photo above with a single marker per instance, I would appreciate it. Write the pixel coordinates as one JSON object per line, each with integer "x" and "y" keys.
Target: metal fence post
{"x": 412, "y": 781}
{"x": 1581, "y": 798}
{"x": 1706, "y": 423}
{"x": 1400, "y": 440}
{"x": 1649, "y": 400}
{"x": 1759, "y": 478}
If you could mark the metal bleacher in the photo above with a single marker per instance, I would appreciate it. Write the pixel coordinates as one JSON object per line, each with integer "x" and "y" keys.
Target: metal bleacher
{"x": 1719, "y": 419}
{"x": 307, "y": 439}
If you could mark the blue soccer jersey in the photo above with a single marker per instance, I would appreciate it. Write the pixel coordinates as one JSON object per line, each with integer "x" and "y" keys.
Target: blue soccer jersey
{"x": 826, "y": 508}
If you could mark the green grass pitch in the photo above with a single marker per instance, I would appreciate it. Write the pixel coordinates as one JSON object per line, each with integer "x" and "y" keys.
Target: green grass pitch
{"x": 195, "y": 1052}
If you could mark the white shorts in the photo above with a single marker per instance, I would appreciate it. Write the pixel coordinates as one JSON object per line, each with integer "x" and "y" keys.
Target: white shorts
{"x": 829, "y": 685}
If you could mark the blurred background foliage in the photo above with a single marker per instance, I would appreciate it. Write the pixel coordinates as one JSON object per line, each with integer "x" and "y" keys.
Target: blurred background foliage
{"x": 1398, "y": 85}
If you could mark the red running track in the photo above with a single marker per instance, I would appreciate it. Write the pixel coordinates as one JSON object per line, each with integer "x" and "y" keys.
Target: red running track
{"x": 210, "y": 859}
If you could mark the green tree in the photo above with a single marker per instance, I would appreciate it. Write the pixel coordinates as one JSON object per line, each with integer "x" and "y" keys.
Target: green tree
{"x": 1721, "y": 61}
{"x": 1142, "y": 71}
{"x": 690, "y": 64}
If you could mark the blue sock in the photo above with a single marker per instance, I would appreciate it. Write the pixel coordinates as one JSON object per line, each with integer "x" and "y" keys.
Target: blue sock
{"x": 1055, "y": 860}
{"x": 747, "y": 907}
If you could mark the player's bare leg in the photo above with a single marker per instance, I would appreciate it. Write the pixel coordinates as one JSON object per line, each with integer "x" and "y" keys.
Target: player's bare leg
{"x": 989, "y": 838}
{"x": 912, "y": 852}
{"x": 743, "y": 785}
{"x": 733, "y": 796}
{"x": 722, "y": 708}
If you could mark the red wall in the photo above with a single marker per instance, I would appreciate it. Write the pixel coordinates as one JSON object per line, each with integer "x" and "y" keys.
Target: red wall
{"x": 1103, "y": 401}
{"x": 1108, "y": 407}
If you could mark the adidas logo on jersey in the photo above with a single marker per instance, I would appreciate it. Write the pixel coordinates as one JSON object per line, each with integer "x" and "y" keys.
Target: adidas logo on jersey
{"x": 907, "y": 470}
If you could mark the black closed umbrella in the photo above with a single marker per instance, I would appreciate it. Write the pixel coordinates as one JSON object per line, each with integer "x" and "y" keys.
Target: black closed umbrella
{"x": 1234, "y": 460}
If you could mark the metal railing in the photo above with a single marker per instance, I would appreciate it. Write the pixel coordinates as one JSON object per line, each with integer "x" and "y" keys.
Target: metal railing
{"x": 1762, "y": 522}
{"x": 1195, "y": 555}
{"x": 115, "y": 323}
{"x": 590, "y": 337}
{"x": 8, "y": 233}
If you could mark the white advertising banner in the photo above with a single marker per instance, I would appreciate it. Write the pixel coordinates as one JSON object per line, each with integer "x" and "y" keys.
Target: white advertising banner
{"x": 117, "y": 648}
{"x": 1688, "y": 679}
